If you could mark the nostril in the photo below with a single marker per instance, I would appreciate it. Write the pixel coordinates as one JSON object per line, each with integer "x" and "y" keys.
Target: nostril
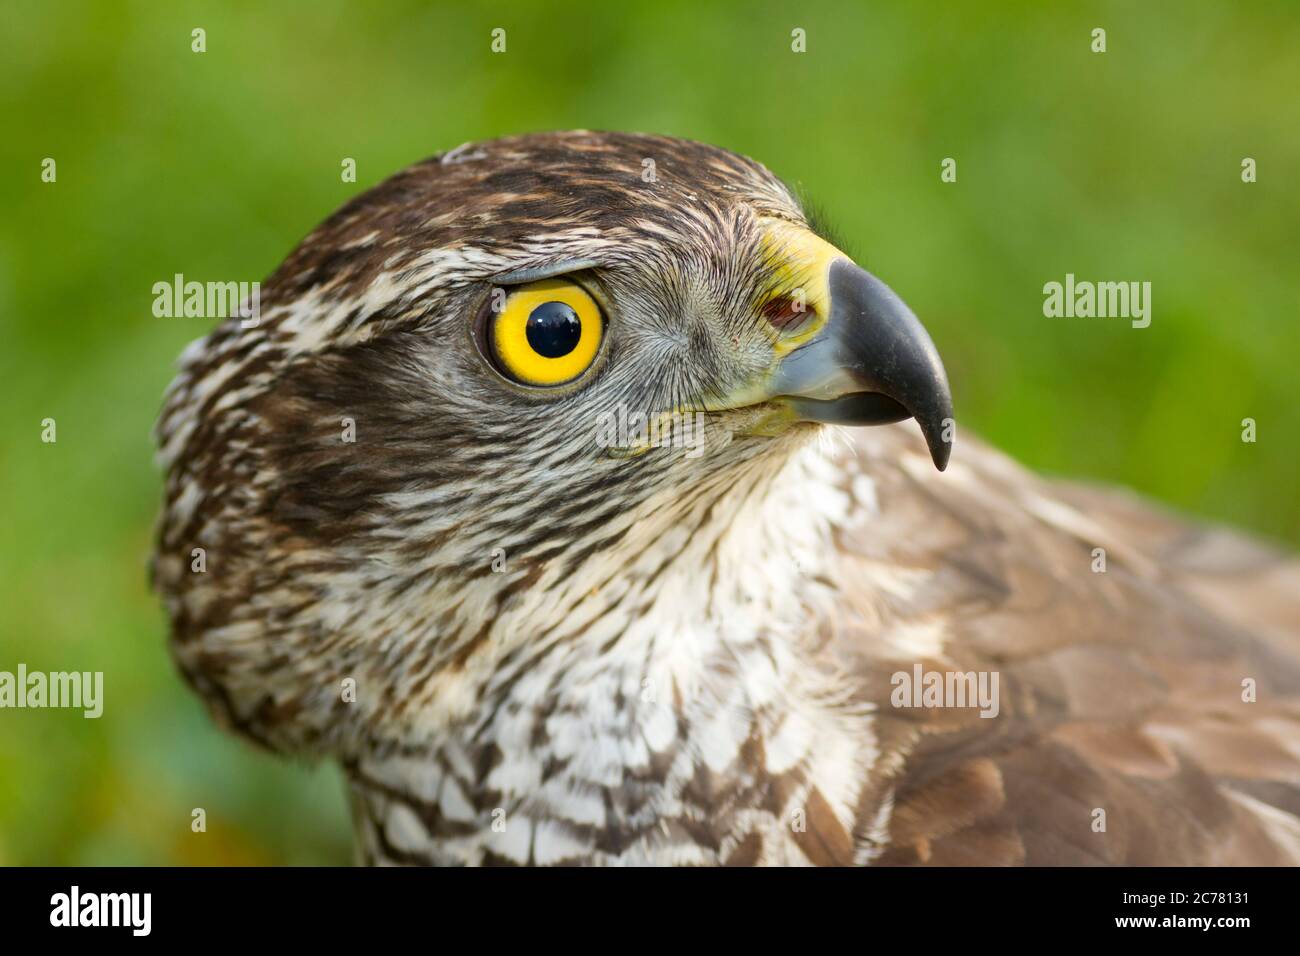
{"x": 786, "y": 313}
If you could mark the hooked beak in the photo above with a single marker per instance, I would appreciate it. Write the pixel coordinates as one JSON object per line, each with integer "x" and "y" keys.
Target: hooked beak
{"x": 871, "y": 363}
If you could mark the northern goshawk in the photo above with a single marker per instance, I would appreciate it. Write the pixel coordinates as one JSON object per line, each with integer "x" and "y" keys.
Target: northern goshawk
{"x": 521, "y": 502}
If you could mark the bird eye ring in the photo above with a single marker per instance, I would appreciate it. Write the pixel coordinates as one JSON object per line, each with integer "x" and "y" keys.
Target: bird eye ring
{"x": 544, "y": 333}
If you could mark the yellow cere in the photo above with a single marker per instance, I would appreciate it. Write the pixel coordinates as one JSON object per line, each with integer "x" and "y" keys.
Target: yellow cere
{"x": 509, "y": 333}
{"x": 800, "y": 262}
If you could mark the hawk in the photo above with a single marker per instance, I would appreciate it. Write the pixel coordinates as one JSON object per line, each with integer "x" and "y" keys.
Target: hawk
{"x": 734, "y": 629}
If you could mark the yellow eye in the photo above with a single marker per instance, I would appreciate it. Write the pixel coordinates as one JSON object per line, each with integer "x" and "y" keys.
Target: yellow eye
{"x": 546, "y": 333}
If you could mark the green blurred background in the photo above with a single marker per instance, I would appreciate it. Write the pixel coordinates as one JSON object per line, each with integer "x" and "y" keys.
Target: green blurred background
{"x": 1123, "y": 165}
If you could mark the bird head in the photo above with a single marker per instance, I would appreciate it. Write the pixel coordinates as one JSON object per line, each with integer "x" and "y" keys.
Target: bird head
{"x": 484, "y": 406}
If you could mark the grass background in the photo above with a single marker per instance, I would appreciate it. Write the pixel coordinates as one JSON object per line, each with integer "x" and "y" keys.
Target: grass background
{"x": 1123, "y": 165}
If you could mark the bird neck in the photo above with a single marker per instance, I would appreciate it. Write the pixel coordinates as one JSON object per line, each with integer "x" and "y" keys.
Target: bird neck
{"x": 688, "y": 678}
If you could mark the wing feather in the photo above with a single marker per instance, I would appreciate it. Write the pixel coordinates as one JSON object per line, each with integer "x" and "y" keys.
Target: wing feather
{"x": 1125, "y": 731}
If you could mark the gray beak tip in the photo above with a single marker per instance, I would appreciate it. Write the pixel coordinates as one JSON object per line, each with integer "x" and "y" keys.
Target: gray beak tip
{"x": 940, "y": 449}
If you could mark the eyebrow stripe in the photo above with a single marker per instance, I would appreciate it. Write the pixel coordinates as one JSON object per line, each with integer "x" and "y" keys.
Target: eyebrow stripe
{"x": 549, "y": 271}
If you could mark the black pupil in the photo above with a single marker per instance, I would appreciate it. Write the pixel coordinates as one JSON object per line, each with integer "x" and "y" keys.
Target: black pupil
{"x": 553, "y": 329}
